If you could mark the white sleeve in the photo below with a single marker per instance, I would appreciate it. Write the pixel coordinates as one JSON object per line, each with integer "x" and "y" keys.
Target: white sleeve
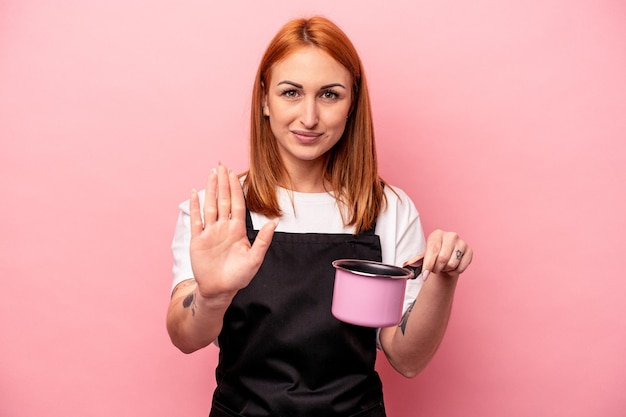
{"x": 181, "y": 268}
{"x": 401, "y": 235}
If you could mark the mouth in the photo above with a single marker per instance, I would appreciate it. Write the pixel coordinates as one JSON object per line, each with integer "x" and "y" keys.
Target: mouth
{"x": 306, "y": 137}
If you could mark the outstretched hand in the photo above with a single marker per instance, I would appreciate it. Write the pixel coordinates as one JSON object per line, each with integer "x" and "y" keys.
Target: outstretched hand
{"x": 222, "y": 258}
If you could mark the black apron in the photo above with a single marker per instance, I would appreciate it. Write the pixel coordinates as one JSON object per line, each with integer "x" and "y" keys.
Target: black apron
{"x": 282, "y": 353}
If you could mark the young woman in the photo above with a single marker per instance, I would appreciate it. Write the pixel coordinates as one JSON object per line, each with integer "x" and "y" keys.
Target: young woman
{"x": 253, "y": 254}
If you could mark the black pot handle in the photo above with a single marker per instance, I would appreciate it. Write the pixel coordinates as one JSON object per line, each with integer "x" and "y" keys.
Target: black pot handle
{"x": 416, "y": 267}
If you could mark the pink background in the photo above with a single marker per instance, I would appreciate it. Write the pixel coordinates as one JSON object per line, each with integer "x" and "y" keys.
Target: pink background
{"x": 504, "y": 120}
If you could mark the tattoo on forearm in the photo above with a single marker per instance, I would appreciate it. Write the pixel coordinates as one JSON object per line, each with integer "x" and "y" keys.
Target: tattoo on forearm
{"x": 182, "y": 285}
{"x": 405, "y": 318}
{"x": 190, "y": 301}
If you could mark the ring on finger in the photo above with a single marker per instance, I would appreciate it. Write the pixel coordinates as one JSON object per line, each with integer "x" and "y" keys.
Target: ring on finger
{"x": 458, "y": 254}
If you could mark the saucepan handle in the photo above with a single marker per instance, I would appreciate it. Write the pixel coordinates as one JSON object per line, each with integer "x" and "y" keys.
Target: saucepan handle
{"x": 416, "y": 267}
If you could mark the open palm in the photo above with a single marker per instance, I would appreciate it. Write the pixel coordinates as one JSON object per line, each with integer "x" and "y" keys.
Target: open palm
{"x": 222, "y": 258}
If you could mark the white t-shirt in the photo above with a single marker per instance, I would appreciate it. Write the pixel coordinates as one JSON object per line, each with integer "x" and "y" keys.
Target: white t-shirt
{"x": 398, "y": 227}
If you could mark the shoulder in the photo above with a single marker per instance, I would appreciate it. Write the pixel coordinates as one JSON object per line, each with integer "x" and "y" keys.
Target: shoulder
{"x": 399, "y": 227}
{"x": 399, "y": 212}
{"x": 398, "y": 200}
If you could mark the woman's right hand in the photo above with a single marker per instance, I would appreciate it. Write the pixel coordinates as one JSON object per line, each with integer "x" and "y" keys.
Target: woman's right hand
{"x": 222, "y": 259}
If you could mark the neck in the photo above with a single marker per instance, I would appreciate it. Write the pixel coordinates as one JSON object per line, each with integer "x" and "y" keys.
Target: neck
{"x": 307, "y": 179}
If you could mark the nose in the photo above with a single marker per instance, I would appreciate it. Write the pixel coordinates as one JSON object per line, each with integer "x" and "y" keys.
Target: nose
{"x": 309, "y": 116}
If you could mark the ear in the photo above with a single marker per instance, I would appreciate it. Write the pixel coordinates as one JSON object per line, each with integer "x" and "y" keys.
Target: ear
{"x": 264, "y": 106}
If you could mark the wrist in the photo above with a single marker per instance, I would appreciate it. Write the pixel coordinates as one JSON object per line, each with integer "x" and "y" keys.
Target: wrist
{"x": 214, "y": 301}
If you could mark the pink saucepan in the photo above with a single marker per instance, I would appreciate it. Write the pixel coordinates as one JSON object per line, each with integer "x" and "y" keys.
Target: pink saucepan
{"x": 370, "y": 294}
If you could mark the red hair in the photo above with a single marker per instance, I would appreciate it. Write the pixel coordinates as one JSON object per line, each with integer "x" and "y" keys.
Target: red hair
{"x": 351, "y": 165}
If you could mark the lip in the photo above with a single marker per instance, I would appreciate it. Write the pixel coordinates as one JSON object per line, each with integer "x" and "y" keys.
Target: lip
{"x": 306, "y": 137}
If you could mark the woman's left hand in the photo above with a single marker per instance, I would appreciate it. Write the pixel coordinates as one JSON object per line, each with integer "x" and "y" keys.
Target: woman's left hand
{"x": 446, "y": 255}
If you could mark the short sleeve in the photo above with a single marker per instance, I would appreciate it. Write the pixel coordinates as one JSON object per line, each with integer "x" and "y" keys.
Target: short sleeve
{"x": 401, "y": 235}
{"x": 181, "y": 268}
{"x": 402, "y": 238}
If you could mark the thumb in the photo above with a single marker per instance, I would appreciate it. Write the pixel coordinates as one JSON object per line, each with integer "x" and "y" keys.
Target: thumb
{"x": 263, "y": 239}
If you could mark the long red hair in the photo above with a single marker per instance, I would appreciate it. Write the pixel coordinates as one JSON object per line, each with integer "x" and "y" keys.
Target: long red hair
{"x": 351, "y": 166}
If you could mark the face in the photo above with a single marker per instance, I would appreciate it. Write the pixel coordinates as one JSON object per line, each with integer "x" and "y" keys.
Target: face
{"x": 307, "y": 100}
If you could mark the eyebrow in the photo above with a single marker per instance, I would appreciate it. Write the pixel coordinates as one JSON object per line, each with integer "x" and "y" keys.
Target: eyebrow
{"x": 324, "y": 87}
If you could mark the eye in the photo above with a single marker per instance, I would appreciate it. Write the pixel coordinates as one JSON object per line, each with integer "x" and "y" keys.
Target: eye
{"x": 330, "y": 95}
{"x": 289, "y": 93}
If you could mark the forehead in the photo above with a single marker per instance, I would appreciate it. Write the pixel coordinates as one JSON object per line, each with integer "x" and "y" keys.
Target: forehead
{"x": 310, "y": 66}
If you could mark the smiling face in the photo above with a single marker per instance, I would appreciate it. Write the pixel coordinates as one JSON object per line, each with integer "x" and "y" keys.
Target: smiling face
{"x": 307, "y": 100}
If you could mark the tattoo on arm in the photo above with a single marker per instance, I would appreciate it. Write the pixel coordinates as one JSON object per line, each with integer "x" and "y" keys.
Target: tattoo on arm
{"x": 190, "y": 301}
{"x": 182, "y": 285}
{"x": 405, "y": 318}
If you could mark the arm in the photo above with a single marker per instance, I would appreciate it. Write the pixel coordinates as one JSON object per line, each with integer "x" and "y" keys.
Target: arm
{"x": 222, "y": 260}
{"x": 412, "y": 344}
{"x": 194, "y": 321}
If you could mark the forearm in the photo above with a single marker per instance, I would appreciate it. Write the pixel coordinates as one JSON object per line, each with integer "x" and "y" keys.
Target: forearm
{"x": 193, "y": 321}
{"x": 410, "y": 346}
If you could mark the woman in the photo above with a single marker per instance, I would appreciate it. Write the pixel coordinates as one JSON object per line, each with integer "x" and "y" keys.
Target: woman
{"x": 253, "y": 254}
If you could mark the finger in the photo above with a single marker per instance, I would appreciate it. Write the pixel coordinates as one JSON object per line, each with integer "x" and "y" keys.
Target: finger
{"x": 432, "y": 259}
{"x": 238, "y": 202}
{"x": 446, "y": 259}
{"x": 466, "y": 260}
{"x": 223, "y": 193}
{"x": 194, "y": 214}
{"x": 456, "y": 256}
{"x": 210, "y": 209}
{"x": 440, "y": 252}
{"x": 263, "y": 241}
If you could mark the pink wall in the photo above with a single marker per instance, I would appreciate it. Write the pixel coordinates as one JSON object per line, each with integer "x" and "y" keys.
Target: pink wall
{"x": 504, "y": 120}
